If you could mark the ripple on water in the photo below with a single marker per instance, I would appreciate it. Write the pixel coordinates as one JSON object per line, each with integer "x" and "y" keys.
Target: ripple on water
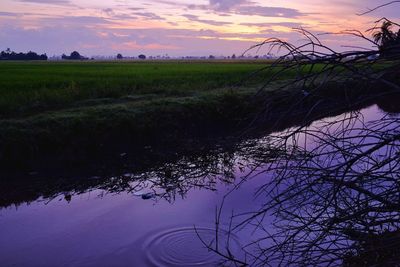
{"x": 182, "y": 247}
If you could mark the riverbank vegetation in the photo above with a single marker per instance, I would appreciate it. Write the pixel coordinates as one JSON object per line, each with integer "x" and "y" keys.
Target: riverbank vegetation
{"x": 68, "y": 109}
{"x": 78, "y": 111}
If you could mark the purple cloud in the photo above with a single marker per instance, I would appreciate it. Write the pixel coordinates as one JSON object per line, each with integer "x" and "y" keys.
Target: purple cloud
{"x": 268, "y": 11}
{"x": 205, "y": 21}
{"x": 226, "y": 5}
{"x": 148, "y": 15}
{"x": 52, "y": 2}
{"x": 8, "y": 14}
{"x": 248, "y": 8}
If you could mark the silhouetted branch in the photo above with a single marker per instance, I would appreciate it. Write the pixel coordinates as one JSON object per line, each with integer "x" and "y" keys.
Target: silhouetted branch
{"x": 378, "y": 7}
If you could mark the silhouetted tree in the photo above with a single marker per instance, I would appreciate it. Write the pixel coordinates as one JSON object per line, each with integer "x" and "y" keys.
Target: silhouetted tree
{"x": 75, "y": 55}
{"x": 11, "y": 55}
{"x": 388, "y": 40}
{"x": 142, "y": 56}
{"x": 119, "y": 56}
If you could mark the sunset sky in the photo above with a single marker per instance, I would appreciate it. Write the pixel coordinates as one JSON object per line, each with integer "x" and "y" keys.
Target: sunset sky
{"x": 175, "y": 27}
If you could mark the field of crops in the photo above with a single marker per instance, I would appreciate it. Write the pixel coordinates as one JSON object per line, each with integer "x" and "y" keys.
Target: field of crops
{"x": 29, "y": 87}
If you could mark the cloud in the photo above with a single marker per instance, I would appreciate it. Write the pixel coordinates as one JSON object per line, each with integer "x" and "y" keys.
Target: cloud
{"x": 133, "y": 45}
{"x": 135, "y": 8}
{"x": 268, "y": 11}
{"x": 205, "y": 21}
{"x": 91, "y": 41}
{"x": 51, "y": 2}
{"x": 226, "y": 5}
{"x": 76, "y": 20}
{"x": 108, "y": 11}
{"x": 248, "y": 8}
{"x": 8, "y": 14}
{"x": 272, "y": 24}
{"x": 148, "y": 15}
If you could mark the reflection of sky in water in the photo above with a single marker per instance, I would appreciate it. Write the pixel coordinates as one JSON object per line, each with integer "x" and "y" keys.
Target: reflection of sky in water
{"x": 93, "y": 231}
{"x": 114, "y": 229}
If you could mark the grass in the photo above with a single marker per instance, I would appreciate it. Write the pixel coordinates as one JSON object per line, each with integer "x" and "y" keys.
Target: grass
{"x": 30, "y": 87}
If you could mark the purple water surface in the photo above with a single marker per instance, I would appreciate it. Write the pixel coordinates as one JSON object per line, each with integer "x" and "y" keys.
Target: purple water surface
{"x": 103, "y": 229}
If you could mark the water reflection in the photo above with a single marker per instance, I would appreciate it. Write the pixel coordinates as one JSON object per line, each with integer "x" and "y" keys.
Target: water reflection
{"x": 325, "y": 193}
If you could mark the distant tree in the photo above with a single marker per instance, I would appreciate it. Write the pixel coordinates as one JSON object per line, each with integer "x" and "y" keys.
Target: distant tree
{"x": 142, "y": 56}
{"x": 233, "y": 56}
{"x": 75, "y": 55}
{"x": 119, "y": 56}
{"x": 11, "y": 55}
{"x": 211, "y": 57}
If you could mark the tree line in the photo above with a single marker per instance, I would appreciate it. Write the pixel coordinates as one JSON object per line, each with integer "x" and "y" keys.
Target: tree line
{"x": 11, "y": 55}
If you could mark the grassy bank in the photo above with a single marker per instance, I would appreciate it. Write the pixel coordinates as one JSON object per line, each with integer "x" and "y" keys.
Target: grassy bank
{"x": 77, "y": 110}
{"x": 72, "y": 132}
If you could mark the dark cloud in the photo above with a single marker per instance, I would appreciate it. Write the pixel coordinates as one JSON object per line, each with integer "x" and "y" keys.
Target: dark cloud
{"x": 205, "y": 21}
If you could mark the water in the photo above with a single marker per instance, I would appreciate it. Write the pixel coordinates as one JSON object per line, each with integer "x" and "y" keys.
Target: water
{"x": 151, "y": 224}
{"x": 97, "y": 229}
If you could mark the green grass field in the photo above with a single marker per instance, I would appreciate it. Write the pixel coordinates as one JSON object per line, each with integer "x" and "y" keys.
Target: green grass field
{"x": 28, "y": 87}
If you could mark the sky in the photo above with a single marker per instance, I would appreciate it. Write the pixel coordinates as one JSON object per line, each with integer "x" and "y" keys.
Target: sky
{"x": 177, "y": 27}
